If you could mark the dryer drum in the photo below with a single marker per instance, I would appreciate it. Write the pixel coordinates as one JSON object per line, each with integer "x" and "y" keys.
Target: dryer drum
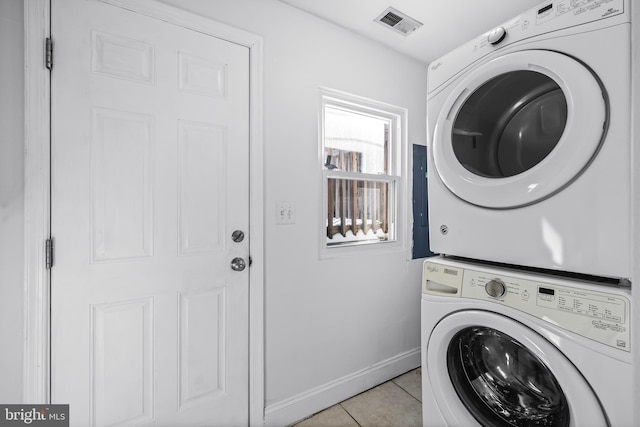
{"x": 509, "y": 124}
{"x": 502, "y": 383}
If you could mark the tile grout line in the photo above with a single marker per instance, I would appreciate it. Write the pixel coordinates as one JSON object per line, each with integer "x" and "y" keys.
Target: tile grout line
{"x": 349, "y": 413}
{"x": 405, "y": 390}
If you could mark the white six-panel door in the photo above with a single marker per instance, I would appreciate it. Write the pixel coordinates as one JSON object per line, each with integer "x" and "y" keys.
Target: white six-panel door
{"x": 150, "y": 155}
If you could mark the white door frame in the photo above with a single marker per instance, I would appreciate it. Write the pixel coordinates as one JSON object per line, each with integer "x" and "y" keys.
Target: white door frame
{"x": 36, "y": 374}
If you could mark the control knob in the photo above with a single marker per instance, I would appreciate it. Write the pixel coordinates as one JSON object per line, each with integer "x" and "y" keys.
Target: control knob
{"x": 495, "y": 288}
{"x": 496, "y": 35}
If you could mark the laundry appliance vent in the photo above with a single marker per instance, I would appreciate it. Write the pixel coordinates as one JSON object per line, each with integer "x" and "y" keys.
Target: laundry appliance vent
{"x": 398, "y": 21}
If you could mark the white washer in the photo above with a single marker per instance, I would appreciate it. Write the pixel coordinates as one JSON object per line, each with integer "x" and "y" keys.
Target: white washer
{"x": 501, "y": 347}
{"x": 529, "y": 141}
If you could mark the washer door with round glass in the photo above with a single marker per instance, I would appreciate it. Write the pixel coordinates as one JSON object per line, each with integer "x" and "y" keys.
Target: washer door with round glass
{"x": 489, "y": 370}
{"x": 519, "y": 129}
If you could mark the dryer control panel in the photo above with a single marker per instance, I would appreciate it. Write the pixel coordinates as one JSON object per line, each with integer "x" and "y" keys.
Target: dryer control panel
{"x": 547, "y": 17}
{"x": 594, "y": 314}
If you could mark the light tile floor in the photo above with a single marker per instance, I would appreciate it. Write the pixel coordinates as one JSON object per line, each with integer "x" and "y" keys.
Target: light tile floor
{"x": 397, "y": 402}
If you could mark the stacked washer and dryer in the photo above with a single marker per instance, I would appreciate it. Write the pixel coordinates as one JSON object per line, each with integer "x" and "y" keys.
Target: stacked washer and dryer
{"x": 526, "y": 314}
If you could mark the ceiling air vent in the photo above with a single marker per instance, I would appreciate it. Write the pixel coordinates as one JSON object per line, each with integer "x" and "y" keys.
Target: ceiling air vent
{"x": 398, "y": 21}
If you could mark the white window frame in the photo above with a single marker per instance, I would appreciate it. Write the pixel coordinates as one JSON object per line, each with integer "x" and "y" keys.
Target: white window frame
{"x": 397, "y": 177}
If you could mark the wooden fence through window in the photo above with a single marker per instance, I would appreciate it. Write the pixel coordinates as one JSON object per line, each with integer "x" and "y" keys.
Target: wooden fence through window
{"x": 355, "y": 205}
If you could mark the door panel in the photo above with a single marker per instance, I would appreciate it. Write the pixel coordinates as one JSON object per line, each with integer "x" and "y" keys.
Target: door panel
{"x": 121, "y": 193}
{"x": 150, "y": 151}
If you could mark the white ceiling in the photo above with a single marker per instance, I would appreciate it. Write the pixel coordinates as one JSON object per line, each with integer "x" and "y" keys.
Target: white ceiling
{"x": 447, "y": 23}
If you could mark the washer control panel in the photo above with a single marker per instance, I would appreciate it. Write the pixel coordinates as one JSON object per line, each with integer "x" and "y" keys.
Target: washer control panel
{"x": 594, "y": 314}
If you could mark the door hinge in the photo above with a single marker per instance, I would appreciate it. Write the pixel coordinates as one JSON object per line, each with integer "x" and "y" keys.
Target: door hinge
{"x": 48, "y": 56}
{"x": 49, "y": 253}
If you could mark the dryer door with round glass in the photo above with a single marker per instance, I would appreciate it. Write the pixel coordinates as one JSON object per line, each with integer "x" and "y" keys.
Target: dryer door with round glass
{"x": 489, "y": 370}
{"x": 519, "y": 128}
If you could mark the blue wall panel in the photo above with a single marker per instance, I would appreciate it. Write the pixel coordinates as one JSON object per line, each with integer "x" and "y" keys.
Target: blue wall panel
{"x": 420, "y": 204}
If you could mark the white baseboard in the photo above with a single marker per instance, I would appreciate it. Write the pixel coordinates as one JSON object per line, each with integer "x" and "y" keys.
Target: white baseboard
{"x": 305, "y": 404}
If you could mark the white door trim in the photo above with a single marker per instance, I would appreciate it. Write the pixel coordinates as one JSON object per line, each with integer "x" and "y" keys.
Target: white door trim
{"x": 36, "y": 203}
{"x": 37, "y": 196}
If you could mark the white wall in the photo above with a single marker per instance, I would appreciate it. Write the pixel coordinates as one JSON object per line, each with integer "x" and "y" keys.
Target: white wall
{"x": 11, "y": 200}
{"x": 326, "y": 320}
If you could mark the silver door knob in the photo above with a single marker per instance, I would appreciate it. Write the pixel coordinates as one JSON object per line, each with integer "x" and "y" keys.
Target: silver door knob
{"x": 238, "y": 264}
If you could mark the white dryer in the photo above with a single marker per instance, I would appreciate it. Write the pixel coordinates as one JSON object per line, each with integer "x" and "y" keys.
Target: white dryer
{"x": 529, "y": 141}
{"x": 505, "y": 348}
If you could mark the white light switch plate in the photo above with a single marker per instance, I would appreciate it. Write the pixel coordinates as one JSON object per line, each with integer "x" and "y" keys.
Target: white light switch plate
{"x": 285, "y": 212}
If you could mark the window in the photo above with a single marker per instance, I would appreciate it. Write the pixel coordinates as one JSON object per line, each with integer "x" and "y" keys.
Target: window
{"x": 361, "y": 170}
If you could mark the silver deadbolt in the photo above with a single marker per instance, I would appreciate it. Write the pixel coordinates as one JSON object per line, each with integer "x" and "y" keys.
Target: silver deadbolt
{"x": 238, "y": 264}
{"x": 237, "y": 236}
